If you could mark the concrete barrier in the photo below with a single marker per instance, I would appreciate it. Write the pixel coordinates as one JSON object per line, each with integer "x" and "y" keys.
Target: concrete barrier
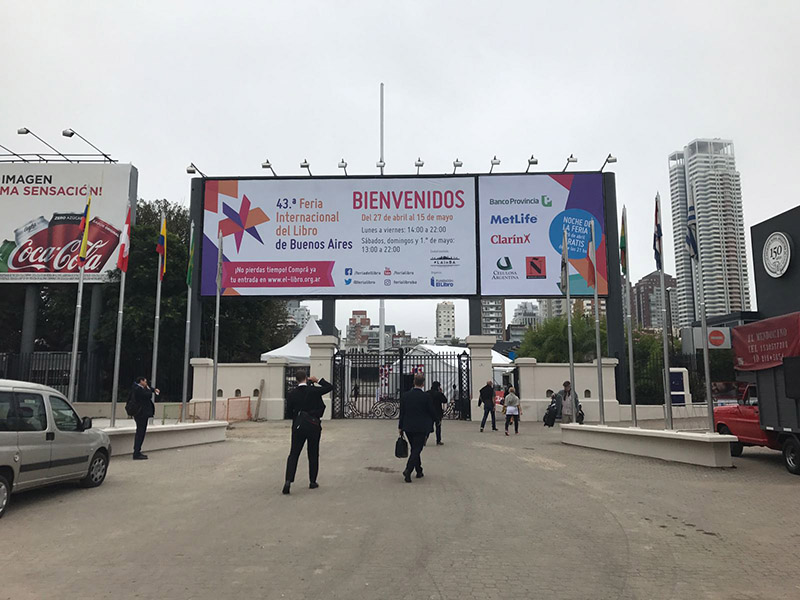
{"x": 705, "y": 449}
{"x": 162, "y": 437}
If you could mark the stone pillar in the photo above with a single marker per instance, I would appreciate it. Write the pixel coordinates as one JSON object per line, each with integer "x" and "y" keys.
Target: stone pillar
{"x": 323, "y": 347}
{"x": 203, "y": 372}
{"x": 273, "y": 400}
{"x": 480, "y": 352}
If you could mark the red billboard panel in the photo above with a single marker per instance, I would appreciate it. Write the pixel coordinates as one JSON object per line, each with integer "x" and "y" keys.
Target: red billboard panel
{"x": 762, "y": 345}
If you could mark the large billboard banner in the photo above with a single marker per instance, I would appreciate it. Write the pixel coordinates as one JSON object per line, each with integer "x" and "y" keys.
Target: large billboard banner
{"x": 41, "y": 207}
{"x": 351, "y": 236}
{"x": 522, "y": 218}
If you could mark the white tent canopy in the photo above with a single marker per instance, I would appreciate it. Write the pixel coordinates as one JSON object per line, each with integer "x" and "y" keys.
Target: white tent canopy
{"x": 498, "y": 360}
{"x": 297, "y": 350}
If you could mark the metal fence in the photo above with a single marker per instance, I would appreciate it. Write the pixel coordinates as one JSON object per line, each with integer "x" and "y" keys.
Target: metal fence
{"x": 649, "y": 376}
{"x": 369, "y": 386}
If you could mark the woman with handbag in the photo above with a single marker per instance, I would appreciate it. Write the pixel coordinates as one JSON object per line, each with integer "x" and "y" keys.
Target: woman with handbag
{"x": 511, "y": 409}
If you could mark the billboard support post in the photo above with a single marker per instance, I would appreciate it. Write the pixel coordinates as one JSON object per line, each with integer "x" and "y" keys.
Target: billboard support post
{"x": 216, "y": 328}
{"x": 76, "y": 330}
{"x": 28, "y": 341}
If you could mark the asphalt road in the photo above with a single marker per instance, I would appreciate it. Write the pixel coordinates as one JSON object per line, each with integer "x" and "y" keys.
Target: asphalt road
{"x": 494, "y": 518}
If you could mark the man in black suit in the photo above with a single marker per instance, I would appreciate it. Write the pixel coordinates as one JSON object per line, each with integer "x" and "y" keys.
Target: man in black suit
{"x": 486, "y": 397}
{"x": 143, "y": 397}
{"x": 417, "y": 416}
{"x": 306, "y": 408}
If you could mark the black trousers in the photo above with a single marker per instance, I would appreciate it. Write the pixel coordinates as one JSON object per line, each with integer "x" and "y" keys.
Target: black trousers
{"x": 516, "y": 422}
{"x": 141, "y": 431}
{"x": 417, "y": 442}
{"x": 486, "y": 411}
{"x": 299, "y": 439}
{"x": 438, "y": 431}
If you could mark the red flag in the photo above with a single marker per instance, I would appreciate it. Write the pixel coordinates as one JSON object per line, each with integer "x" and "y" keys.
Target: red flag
{"x": 124, "y": 244}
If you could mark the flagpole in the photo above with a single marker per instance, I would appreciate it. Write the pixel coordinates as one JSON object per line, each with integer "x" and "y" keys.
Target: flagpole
{"x": 569, "y": 333}
{"x": 157, "y": 324}
{"x": 76, "y": 331}
{"x": 216, "y": 330}
{"x": 634, "y": 419}
{"x": 117, "y": 350}
{"x": 703, "y": 323}
{"x": 667, "y": 392}
{"x": 597, "y": 332}
{"x": 184, "y": 395}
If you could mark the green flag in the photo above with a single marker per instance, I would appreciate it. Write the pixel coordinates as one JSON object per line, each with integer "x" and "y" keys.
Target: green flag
{"x": 191, "y": 258}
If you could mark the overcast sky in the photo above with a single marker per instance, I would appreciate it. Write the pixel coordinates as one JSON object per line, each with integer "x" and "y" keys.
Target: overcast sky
{"x": 160, "y": 84}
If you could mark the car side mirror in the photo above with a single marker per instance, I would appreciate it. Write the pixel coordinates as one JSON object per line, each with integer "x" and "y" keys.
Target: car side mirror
{"x": 86, "y": 423}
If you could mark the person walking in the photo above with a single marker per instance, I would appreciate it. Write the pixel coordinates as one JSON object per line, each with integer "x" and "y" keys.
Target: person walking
{"x": 306, "y": 408}
{"x": 512, "y": 409}
{"x": 486, "y": 397}
{"x": 439, "y": 401}
{"x": 417, "y": 416}
{"x": 566, "y": 403}
{"x": 142, "y": 398}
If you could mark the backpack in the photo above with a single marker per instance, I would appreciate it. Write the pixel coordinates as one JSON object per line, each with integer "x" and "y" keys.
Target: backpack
{"x": 132, "y": 405}
{"x": 549, "y": 418}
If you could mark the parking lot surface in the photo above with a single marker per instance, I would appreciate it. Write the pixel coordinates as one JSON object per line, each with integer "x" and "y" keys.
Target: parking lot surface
{"x": 494, "y": 517}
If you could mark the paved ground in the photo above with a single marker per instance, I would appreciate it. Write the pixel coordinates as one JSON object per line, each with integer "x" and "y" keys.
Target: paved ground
{"x": 494, "y": 518}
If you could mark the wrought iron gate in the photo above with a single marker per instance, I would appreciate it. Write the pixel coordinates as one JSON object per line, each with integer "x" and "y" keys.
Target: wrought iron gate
{"x": 369, "y": 386}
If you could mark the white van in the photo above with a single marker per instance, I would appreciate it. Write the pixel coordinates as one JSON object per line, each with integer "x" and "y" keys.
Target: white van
{"x": 44, "y": 441}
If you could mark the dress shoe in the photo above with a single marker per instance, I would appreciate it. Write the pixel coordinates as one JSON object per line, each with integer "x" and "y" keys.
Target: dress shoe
{"x": 481, "y": 429}
{"x": 407, "y": 476}
{"x": 313, "y": 485}
{"x": 420, "y": 474}
{"x": 286, "y": 487}
{"x": 440, "y": 443}
{"x": 140, "y": 456}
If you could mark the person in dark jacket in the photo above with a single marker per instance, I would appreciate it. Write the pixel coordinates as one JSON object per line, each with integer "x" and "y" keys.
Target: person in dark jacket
{"x": 486, "y": 397}
{"x": 143, "y": 397}
{"x": 306, "y": 408}
{"x": 439, "y": 401}
{"x": 417, "y": 416}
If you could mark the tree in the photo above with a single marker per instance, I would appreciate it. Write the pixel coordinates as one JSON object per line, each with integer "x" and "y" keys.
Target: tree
{"x": 549, "y": 342}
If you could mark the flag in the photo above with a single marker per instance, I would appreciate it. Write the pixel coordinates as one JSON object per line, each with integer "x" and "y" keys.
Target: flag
{"x": 623, "y": 245}
{"x": 657, "y": 245}
{"x": 161, "y": 247}
{"x": 191, "y": 258}
{"x": 564, "y": 264}
{"x": 691, "y": 228}
{"x": 124, "y": 244}
{"x": 84, "y": 232}
{"x": 590, "y": 255}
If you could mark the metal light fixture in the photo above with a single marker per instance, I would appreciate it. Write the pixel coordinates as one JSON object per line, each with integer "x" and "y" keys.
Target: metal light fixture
{"x": 609, "y": 160}
{"x": 570, "y": 159}
{"x": 343, "y": 166}
{"x": 495, "y": 163}
{"x": 268, "y": 165}
{"x": 306, "y": 166}
{"x": 419, "y": 163}
{"x": 380, "y": 164}
{"x": 192, "y": 170}
{"x": 457, "y": 164}
{"x": 531, "y": 162}
{"x": 68, "y": 133}
{"x": 26, "y": 131}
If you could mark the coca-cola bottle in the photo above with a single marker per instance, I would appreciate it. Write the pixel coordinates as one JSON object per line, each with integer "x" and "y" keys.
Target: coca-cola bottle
{"x": 5, "y": 253}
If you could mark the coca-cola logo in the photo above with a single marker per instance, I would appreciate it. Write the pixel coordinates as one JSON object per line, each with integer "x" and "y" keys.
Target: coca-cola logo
{"x": 32, "y": 257}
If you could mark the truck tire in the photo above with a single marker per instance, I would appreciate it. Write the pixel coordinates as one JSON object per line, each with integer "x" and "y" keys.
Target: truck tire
{"x": 5, "y": 494}
{"x": 791, "y": 455}
{"x": 736, "y": 447}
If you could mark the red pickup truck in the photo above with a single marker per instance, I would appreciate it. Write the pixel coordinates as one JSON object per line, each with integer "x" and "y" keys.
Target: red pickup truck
{"x": 769, "y": 352}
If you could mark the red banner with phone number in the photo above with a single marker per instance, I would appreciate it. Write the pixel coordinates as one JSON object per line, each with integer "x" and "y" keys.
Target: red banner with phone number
{"x": 763, "y": 344}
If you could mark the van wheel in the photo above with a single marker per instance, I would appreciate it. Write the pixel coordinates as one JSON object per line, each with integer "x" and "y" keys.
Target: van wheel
{"x": 736, "y": 447}
{"x": 5, "y": 494}
{"x": 791, "y": 455}
{"x": 98, "y": 467}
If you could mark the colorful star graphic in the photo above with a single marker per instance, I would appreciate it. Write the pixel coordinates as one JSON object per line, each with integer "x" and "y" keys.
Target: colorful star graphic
{"x": 245, "y": 220}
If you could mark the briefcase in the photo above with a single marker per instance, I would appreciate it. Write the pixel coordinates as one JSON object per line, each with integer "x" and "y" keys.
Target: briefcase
{"x": 401, "y": 448}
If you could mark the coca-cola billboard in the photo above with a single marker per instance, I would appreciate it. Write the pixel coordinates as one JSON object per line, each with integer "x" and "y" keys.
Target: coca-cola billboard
{"x": 41, "y": 207}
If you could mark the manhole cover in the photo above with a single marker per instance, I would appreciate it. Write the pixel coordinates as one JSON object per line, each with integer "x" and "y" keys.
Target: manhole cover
{"x": 382, "y": 469}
